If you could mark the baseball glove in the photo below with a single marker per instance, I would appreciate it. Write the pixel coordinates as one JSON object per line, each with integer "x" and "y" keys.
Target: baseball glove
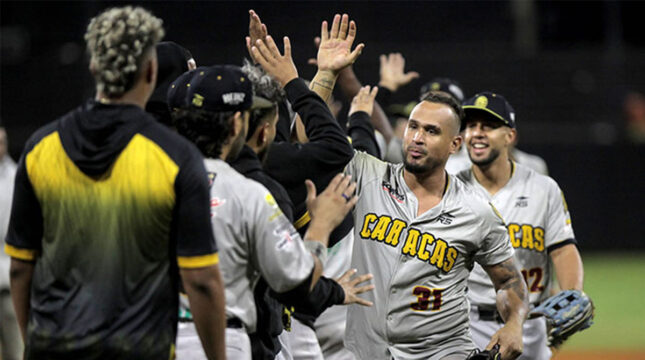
{"x": 566, "y": 312}
{"x": 492, "y": 354}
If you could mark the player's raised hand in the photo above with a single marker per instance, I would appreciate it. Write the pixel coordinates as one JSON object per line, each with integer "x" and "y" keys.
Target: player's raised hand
{"x": 328, "y": 209}
{"x": 393, "y": 75}
{"x": 509, "y": 339}
{"x": 257, "y": 30}
{"x": 335, "y": 49}
{"x": 364, "y": 100}
{"x": 351, "y": 287}
{"x": 280, "y": 67}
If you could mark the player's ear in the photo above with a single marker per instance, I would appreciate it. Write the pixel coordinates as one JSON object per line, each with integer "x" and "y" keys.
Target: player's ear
{"x": 511, "y": 136}
{"x": 237, "y": 124}
{"x": 263, "y": 132}
{"x": 455, "y": 144}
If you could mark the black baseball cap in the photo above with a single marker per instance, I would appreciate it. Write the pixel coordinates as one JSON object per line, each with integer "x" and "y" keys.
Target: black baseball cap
{"x": 221, "y": 88}
{"x": 447, "y": 85}
{"x": 176, "y": 96}
{"x": 172, "y": 62}
{"x": 491, "y": 105}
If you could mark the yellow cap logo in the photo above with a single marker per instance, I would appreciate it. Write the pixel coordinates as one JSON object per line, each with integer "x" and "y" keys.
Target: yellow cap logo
{"x": 435, "y": 86}
{"x": 198, "y": 100}
{"x": 481, "y": 101}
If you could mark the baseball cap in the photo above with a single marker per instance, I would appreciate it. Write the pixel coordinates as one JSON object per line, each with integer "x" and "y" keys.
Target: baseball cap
{"x": 491, "y": 105}
{"x": 172, "y": 61}
{"x": 221, "y": 88}
{"x": 450, "y": 86}
{"x": 176, "y": 95}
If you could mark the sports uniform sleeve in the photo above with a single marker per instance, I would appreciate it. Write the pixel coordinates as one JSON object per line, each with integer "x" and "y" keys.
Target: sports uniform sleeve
{"x": 559, "y": 230}
{"x": 25, "y": 231}
{"x": 193, "y": 233}
{"x": 364, "y": 168}
{"x": 496, "y": 246}
{"x": 361, "y": 131}
{"x": 327, "y": 149}
{"x": 276, "y": 247}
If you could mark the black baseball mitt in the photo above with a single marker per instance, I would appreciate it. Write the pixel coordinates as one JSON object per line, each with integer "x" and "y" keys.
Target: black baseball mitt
{"x": 492, "y": 354}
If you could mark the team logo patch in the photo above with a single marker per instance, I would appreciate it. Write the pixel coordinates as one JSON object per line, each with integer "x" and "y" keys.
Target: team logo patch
{"x": 481, "y": 101}
{"x": 394, "y": 193}
{"x": 445, "y": 218}
{"x": 211, "y": 179}
{"x": 522, "y": 201}
{"x": 215, "y": 202}
{"x": 285, "y": 236}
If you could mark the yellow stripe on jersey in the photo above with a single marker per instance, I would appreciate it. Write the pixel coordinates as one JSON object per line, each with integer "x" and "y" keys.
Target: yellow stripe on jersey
{"x": 21, "y": 254}
{"x": 172, "y": 352}
{"x": 193, "y": 262}
{"x": 304, "y": 220}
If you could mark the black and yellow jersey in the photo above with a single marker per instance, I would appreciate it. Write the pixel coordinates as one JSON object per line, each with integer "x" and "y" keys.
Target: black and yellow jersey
{"x": 108, "y": 204}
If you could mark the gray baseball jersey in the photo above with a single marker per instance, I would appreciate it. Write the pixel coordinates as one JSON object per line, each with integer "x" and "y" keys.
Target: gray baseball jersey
{"x": 420, "y": 263}
{"x": 254, "y": 238}
{"x": 537, "y": 218}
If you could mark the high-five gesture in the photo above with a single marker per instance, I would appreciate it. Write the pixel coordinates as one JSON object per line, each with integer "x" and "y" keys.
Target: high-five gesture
{"x": 257, "y": 30}
{"x": 392, "y": 72}
{"x": 279, "y": 66}
{"x": 335, "y": 50}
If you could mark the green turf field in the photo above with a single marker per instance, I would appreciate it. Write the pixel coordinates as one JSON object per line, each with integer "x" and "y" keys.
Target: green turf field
{"x": 616, "y": 284}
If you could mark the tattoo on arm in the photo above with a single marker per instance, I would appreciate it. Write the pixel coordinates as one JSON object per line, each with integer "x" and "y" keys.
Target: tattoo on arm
{"x": 512, "y": 295}
{"x": 324, "y": 84}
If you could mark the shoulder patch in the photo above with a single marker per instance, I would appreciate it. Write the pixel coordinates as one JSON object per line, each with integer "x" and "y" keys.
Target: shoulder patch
{"x": 270, "y": 200}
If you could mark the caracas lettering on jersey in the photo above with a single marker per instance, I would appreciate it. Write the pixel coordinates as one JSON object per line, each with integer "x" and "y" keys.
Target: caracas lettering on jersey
{"x": 387, "y": 230}
{"x": 526, "y": 236}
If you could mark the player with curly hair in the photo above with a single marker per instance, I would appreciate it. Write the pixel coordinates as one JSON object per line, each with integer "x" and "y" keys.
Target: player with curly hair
{"x": 110, "y": 210}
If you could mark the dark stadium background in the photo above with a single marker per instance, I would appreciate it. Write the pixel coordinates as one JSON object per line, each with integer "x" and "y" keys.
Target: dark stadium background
{"x": 565, "y": 66}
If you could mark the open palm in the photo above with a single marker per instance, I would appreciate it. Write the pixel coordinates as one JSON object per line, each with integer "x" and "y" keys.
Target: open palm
{"x": 335, "y": 50}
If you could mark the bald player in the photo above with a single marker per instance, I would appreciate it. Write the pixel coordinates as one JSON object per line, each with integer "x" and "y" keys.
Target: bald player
{"x": 536, "y": 215}
{"x": 419, "y": 231}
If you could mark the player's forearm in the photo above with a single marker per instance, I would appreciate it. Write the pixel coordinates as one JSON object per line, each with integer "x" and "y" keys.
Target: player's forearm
{"x": 205, "y": 291}
{"x": 21, "y": 273}
{"x": 568, "y": 267}
{"x": 350, "y": 86}
{"x": 323, "y": 84}
{"x": 512, "y": 295}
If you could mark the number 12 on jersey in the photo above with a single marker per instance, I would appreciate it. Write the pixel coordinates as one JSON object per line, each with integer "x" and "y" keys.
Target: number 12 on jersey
{"x": 424, "y": 301}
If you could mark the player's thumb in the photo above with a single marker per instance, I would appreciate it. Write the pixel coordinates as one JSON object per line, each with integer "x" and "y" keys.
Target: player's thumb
{"x": 311, "y": 191}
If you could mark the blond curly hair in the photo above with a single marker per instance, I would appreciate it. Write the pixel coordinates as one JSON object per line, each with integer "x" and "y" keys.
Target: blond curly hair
{"x": 117, "y": 40}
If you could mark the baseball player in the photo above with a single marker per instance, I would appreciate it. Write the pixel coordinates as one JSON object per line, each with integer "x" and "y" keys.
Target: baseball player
{"x": 536, "y": 215}
{"x": 256, "y": 239}
{"x": 110, "y": 209}
{"x": 419, "y": 230}
{"x": 323, "y": 150}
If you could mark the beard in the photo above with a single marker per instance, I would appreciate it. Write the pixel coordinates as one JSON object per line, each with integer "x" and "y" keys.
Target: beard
{"x": 428, "y": 166}
{"x": 236, "y": 147}
{"x": 494, "y": 154}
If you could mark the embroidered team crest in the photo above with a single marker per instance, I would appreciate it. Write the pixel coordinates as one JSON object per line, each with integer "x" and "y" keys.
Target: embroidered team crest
{"x": 393, "y": 192}
{"x": 522, "y": 201}
{"x": 481, "y": 101}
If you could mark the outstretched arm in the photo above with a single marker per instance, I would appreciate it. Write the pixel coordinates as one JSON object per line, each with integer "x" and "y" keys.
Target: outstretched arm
{"x": 350, "y": 86}
{"x": 512, "y": 304}
{"x": 334, "y": 53}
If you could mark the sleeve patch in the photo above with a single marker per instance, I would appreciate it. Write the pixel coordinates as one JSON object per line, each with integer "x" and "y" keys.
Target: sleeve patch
{"x": 193, "y": 262}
